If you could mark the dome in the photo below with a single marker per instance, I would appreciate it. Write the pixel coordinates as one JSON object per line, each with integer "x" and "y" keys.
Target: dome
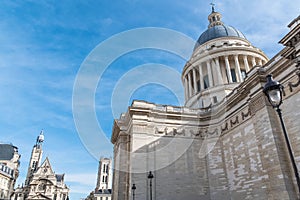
{"x": 217, "y": 32}
{"x": 217, "y": 29}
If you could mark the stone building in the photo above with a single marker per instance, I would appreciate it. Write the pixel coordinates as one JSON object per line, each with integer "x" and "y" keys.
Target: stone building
{"x": 41, "y": 181}
{"x": 9, "y": 169}
{"x": 103, "y": 189}
{"x": 226, "y": 142}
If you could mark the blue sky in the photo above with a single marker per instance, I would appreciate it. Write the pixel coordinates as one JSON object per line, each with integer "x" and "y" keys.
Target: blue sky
{"x": 44, "y": 43}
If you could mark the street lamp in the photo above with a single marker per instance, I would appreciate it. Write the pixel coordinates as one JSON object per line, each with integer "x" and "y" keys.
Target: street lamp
{"x": 273, "y": 90}
{"x": 133, "y": 191}
{"x": 150, "y": 177}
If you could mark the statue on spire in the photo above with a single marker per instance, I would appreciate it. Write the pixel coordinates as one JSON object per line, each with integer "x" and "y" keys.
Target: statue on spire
{"x": 212, "y": 7}
{"x": 40, "y": 139}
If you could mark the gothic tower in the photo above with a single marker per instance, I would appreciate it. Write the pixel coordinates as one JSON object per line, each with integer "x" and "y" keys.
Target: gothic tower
{"x": 104, "y": 174}
{"x": 35, "y": 159}
{"x": 221, "y": 60}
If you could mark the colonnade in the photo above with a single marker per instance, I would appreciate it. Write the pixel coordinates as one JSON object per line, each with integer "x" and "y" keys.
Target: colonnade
{"x": 218, "y": 71}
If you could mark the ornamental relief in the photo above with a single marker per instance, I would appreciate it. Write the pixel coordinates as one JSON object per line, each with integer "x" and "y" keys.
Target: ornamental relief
{"x": 205, "y": 132}
{"x": 201, "y": 133}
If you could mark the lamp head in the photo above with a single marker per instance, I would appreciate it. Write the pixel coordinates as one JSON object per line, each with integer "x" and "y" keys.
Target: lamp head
{"x": 273, "y": 90}
{"x": 150, "y": 175}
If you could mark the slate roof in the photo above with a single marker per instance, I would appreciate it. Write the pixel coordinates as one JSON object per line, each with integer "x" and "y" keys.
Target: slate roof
{"x": 7, "y": 151}
{"x": 59, "y": 177}
{"x": 217, "y": 32}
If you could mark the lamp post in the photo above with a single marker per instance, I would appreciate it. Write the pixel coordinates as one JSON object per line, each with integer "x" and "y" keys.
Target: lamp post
{"x": 150, "y": 177}
{"x": 273, "y": 90}
{"x": 133, "y": 191}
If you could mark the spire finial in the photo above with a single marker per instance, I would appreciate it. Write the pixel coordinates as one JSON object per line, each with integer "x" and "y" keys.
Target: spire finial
{"x": 212, "y": 7}
{"x": 40, "y": 138}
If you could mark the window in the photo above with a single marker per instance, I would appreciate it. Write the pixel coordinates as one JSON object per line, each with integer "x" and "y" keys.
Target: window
{"x": 198, "y": 86}
{"x": 206, "y": 82}
{"x": 107, "y": 169}
{"x": 243, "y": 73}
{"x": 233, "y": 75}
{"x": 106, "y": 198}
{"x": 103, "y": 179}
{"x": 215, "y": 99}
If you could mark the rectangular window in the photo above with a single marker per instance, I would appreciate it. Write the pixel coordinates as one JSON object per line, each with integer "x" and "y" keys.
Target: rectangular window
{"x": 206, "y": 82}
{"x": 243, "y": 73}
{"x": 233, "y": 75}
{"x": 198, "y": 86}
{"x": 215, "y": 99}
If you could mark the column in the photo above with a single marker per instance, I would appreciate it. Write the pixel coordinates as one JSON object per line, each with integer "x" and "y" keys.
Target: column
{"x": 253, "y": 61}
{"x": 246, "y": 63}
{"x": 219, "y": 74}
{"x": 237, "y": 68}
{"x": 194, "y": 80}
{"x": 185, "y": 88}
{"x": 201, "y": 77}
{"x": 228, "y": 69}
{"x": 259, "y": 62}
{"x": 190, "y": 84}
{"x": 209, "y": 73}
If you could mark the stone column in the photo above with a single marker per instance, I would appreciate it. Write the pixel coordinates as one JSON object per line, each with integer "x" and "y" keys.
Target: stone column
{"x": 190, "y": 84}
{"x": 237, "y": 68}
{"x": 253, "y": 61}
{"x": 260, "y": 62}
{"x": 228, "y": 69}
{"x": 209, "y": 73}
{"x": 246, "y": 63}
{"x": 185, "y": 88}
{"x": 219, "y": 74}
{"x": 194, "y": 81}
{"x": 201, "y": 77}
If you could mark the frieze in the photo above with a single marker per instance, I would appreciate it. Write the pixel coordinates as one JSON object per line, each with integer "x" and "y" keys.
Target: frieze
{"x": 201, "y": 133}
{"x": 293, "y": 85}
{"x": 235, "y": 122}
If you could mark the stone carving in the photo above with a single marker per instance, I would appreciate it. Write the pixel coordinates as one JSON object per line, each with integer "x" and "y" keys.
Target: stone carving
{"x": 225, "y": 128}
{"x": 245, "y": 115}
{"x": 293, "y": 85}
{"x": 235, "y": 122}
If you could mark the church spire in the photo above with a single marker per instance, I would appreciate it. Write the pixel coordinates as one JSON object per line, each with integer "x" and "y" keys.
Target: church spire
{"x": 35, "y": 159}
{"x": 214, "y": 18}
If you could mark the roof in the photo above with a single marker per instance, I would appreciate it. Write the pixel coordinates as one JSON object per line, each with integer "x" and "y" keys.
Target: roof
{"x": 59, "y": 177}
{"x": 217, "y": 32}
{"x": 7, "y": 151}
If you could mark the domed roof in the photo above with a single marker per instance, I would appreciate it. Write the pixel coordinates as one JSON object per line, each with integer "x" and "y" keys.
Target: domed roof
{"x": 217, "y": 32}
{"x": 217, "y": 29}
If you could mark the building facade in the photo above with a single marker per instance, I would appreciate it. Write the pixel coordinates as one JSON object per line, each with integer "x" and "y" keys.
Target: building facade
{"x": 103, "y": 189}
{"x": 9, "y": 169}
{"x": 41, "y": 181}
{"x": 226, "y": 142}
